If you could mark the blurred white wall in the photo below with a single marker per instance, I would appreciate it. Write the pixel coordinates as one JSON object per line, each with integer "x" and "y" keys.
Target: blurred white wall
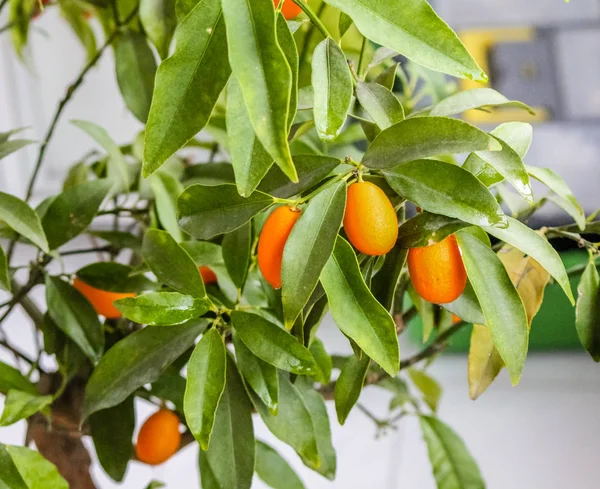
{"x": 541, "y": 435}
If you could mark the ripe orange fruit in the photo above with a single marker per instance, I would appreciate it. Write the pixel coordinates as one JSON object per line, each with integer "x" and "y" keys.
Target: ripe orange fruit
{"x": 272, "y": 240}
{"x": 289, "y": 10}
{"x": 455, "y": 319}
{"x": 208, "y": 276}
{"x": 370, "y": 221}
{"x": 437, "y": 271}
{"x": 159, "y": 438}
{"x": 102, "y": 300}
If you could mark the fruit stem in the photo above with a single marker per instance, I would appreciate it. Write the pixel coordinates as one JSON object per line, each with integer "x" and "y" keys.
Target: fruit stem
{"x": 333, "y": 181}
{"x": 313, "y": 17}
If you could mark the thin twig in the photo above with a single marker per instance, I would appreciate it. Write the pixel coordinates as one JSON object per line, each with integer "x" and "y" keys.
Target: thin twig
{"x": 314, "y": 18}
{"x": 18, "y": 353}
{"x": 99, "y": 249}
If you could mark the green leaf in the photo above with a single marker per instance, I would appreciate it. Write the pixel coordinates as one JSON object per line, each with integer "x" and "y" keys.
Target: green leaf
{"x": 263, "y": 72}
{"x": 78, "y": 173}
{"x": 236, "y": 253}
{"x": 8, "y": 147}
{"x": 293, "y": 424}
{"x": 162, "y": 308}
{"x": 187, "y": 85}
{"x": 453, "y": 465}
{"x": 159, "y": 22}
{"x": 205, "y": 212}
{"x": 119, "y": 239}
{"x": 476, "y": 98}
{"x": 387, "y": 77}
{"x": 356, "y": 312}
{"x": 423, "y": 137}
{"x": 75, "y": 317}
{"x": 349, "y": 385}
{"x": 72, "y": 211}
{"x": 556, "y": 183}
{"x": 9, "y": 475}
{"x": 117, "y": 170}
{"x": 323, "y": 361}
{"x": 426, "y": 229}
{"x": 21, "y": 405}
{"x": 344, "y": 23}
{"x": 138, "y": 359}
{"x": 19, "y": 16}
{"x": 22, "y": 219}
{"x": 229, "y": 461}
{"x": 156, "y": 484}
{"x": 385, "y": 283}
{"x": 170, "y": 386}
{"x": 443, "y": 188}
{"x": 531, "y": 243}
{"x": 36, "y": 471}
{"x": 261, "y": 376}
{"x": 136, "y": 68}
{"x": 4, "y": 276}
{"x": 311, "y": 169}
{"x": 11, "y": 378}
{"x": 273, "y": 470}
{"x": 249, "y": 158}
{"x": 467, "y": 306}
{"x": 380, "y": 103}
{"x": 332, "y": 84}
{"x": 114, "y": 277}
{"x": 167, "y": 189}
{"x": 271, "y": 344}
{"x": 485, "y": 363}
{"x": 428, "y": 386}
{"x": 285, "y": 38}
{"x": 308, "y": 248}
{"x": 171, "y": 263}
{"x": 500, "y": 302}
{"x": 112, "y": 431}
{"x": 206, "y": 373}
{"x": 588, "y": 311}
{"x": 74, "y": 13}
{"x": 414, "y": 31}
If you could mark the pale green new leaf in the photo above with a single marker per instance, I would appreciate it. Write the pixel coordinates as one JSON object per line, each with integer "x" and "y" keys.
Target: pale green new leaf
{"x": 36, "y": 471}
{"x": 22, "y": 219}
{"x": 428, "y": 386}
{"x": 167, "y": 189}
{"x": 20, "y": 405}
{"x": 475, "y": 99}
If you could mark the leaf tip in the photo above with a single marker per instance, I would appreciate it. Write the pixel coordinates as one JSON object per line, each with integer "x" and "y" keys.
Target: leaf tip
{"x": 494, "y": 145}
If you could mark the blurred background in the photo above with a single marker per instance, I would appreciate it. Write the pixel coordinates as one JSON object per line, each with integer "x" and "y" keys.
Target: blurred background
{"x": 542, "y": 434}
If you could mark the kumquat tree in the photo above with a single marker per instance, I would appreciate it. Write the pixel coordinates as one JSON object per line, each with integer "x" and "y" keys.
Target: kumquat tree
{"x": 283, "y": 151}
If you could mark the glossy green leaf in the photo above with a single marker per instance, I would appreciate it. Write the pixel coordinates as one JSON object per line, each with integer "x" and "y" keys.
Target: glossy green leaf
{"x": 380, "y": 103}
{"x": 171, "y": 263}
{"x": 344, "y": 23}
{"x": 500, "y": 302}
{"x": 414, "y": 31}
{"x": 443, "y": 188}
{"x": 423, "y": 137}
{"x": 205, "y": 212}
{"x": 136, "y": 68}
{"x": 36, "y": 471}
{"x": 9, "y": 475}
{"x": 323, "y": 360}
{"x": 261, "y": 376}
{"x": 263, "y": 72}
{"x": 9, "y": 147}
{"x": 114, "y": 277}
{"x": 4, "y": 276}
{"x": 356, "y": 312}
{"x": 78, "y": 173}
{"x": 286, "y": 41}
{"x": 453, "y": 465}
{"x": 229, "y": 461}
{"x": 119, "y": 239}
{"x": 475, "y": 99}
{"x": 20, "y": 405}
{"x": 75, "y": 14}
{"x": 159, "y": 21}
{"x": 236, "y": 253}
{"x": 188, "y": 84}
{"x": 167, "y": 189}
{"x": 162, "y": 308}
{"x": 117, "y": 169}
{"x": 556, "y": 183}
{"x": 426, "y": 229}
{"x": 249, "y": 158}
{"x": 206, "y": 373}
{"x": 311, "y": 169}
{"x": 332, "y": 84}
{"x": 293, "y": 424}
{"x": 11, "y": 378}
{"x": 272, "y": 344}
{"x": 349, "y": 385}
{"x": 19, "y": 17}
{"x": 485, "y": 363}
{"x": 531, "y": 243}
{"x": 138, "y": 359}
{"x": 75, "y": 317}
{"x": 467, "y": 306}
{"x": 385, "y": 283}
{"x": 308, "y": 248}
{"x": 387, "y": 77}
{"x": 588, "y": 311}
{"x": 273, "y": 470}
{"x": 170, "y": 386}
{"x": 112, "y": 431}
{"x": 23, "y": 220}
{"x": 428, "y": 386}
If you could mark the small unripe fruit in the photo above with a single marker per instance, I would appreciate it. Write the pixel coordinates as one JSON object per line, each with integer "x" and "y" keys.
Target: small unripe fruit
{"x": 208, "y": 276}
{"x": 370, "y": 220}
{"x": 159, "y": 438}
{"x": 102, "y": 300}
{"x": 437, "y": 271}
{"x": 272, "y": 241}
{"x": 289, "y": 10}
